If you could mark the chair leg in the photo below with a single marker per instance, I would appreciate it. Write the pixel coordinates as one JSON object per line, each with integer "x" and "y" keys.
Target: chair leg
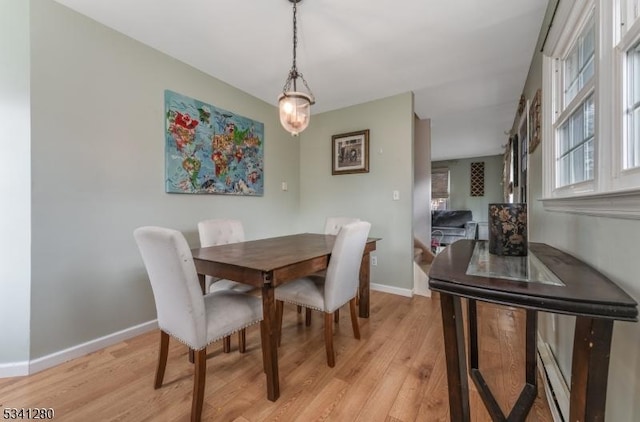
{"x": 307, "y": 317}
{"x": 162, "y": 359}
{"x": 198, "y": 385}
{"x": 328, "y": 339}
{"x": 354, "y": 318}
{"x": 336, "y": 316}
{"x": 242, "y": 340}
{"x": 279, "y": 312}
{"x": 299, "y": 309}
{"x": 226, "y": 344}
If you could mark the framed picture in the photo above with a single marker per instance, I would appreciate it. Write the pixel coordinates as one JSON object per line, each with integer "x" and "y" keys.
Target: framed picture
{"x": 534, "y": 122}
{"x": 350, "y": 153}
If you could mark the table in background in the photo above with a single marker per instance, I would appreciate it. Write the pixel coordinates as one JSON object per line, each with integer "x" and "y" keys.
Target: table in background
{"x": 594, "y": 299}
{"x": 268, "y": 263}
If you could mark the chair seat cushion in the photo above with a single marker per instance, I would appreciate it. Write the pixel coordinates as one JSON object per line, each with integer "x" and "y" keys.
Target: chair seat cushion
{"x": 224, "y": 284}
{"x": 307, "y": 292}
{"x": 229, "y": 311}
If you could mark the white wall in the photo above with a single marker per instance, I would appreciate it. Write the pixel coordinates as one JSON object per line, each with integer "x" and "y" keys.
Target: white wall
{"x": 365, "y": 195}
{"x": 98, "y": 173}
{"x": 15, "y": 180}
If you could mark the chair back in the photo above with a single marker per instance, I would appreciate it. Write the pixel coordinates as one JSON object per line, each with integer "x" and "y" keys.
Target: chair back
{"x": 343, "y": 272}
{"x": 333, "y": 224}
{"x": 174, "y": 281}
{"x": 220, "y": 231}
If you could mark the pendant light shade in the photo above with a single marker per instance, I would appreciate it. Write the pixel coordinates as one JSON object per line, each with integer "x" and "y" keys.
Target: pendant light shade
{"x": 294, "y": 105}
{"x": 295, "y": 111}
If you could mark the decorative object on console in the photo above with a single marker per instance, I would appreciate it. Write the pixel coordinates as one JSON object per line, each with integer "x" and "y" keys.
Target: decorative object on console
{"x": 477, "y": 179}
{"x": 508, "y": 229}
{"x": 294, "y": 105}
{"x": 211, "y": 150}
{"x": 350, "y": 152}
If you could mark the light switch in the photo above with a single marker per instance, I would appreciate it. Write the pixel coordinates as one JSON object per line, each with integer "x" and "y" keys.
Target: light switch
{"x": 396, "y": 195}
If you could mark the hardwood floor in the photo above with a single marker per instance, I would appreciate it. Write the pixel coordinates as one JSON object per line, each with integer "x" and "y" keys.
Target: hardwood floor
{"x": 395, "y": 373}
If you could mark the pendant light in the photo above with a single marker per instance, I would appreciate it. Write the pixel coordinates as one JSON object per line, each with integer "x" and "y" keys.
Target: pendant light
{"x": 294, "y": 105}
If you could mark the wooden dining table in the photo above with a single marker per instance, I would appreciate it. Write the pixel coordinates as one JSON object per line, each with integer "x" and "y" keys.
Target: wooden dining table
{"x": 268, "y": 263}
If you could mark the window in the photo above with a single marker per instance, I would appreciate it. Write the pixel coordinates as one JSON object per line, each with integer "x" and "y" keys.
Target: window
{"x": 631, "y": 152}
{"x": 574, "y": 142}
{"x": 574, "y": 127}
{"x": 579, "y": 64}
{"x": 591, "y": 109}
{"x": 440, "y": 188}
{"x": 627, "y": 59}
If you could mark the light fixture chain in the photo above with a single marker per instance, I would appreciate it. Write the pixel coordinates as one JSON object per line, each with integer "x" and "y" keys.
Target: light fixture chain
{"x": 304, "y": 81}
{"x": 295, "y": 33}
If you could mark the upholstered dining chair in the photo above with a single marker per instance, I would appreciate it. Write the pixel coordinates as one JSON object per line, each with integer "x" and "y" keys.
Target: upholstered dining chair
{"x": 219, "y": 231}
{"x": 184, "y": 313}
{"x": 332, "y": 226}
{"x": 338, "y": 287}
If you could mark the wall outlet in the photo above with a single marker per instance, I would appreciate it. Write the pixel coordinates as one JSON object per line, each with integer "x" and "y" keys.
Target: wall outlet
{"x": 285, "y": 187}
{"x": 374, "y": 261}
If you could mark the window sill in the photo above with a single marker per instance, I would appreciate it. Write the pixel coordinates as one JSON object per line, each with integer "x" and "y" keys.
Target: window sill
{"x": 618, "y": 204}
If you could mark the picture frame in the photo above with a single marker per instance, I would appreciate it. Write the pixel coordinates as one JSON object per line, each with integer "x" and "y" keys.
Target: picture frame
{"x": 350, "y": 153}
{"x": 534, "y": 121}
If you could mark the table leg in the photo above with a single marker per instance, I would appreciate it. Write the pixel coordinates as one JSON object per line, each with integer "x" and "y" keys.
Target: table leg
{"x": 590, "y": 368}
{"x": 201, "y": 279}
{"x": 270, "y": 340}
{"x": 365, "y": 281}
{"x": 457, "y": 383}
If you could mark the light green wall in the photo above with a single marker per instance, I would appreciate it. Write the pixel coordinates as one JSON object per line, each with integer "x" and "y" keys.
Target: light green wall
{"x": 460, "y": 184}
{"x": 98, "y": 173}
{"x": 365, "y": 195}
{"x": 610, "y": 246}
{"x": 15, "y": 180}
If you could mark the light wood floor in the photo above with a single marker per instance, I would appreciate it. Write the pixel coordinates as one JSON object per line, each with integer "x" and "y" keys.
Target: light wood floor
{"x": 395, "y": 373}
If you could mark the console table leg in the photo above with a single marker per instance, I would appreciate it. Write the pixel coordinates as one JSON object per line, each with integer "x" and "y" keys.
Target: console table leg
{"x": 531, "y": 348}
{"x": 590, "y": 368}
{"x": 472, "y": 320}
{"x": 453, "y": 329}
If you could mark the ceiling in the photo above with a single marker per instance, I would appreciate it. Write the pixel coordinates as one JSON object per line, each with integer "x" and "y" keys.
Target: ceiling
{"x": 466, "y": 61}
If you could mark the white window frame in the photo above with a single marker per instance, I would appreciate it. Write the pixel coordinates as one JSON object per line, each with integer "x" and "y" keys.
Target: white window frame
{"x": 614, "y": 192}
{"x": 627, "y": 35}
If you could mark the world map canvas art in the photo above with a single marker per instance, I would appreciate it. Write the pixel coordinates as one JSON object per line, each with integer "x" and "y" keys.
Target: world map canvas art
{"x": 211, "y": 150}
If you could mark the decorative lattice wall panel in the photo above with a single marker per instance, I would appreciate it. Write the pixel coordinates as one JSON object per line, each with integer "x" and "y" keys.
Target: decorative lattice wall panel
{"x": 477, "y": 179}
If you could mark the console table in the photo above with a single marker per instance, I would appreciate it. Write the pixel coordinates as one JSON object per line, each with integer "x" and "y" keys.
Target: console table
{"x": 547, "y": 280}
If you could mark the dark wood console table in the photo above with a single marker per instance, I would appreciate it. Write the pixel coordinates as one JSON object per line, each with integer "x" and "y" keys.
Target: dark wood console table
{"x": 565, "y": 285}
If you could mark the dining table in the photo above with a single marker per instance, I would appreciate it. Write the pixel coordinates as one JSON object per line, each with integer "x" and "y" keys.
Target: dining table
{"x": 268, "y": 263}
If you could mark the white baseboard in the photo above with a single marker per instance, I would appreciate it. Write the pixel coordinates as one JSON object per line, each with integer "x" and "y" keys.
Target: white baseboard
{"x": 14, "y": 369}
{"x": 83, "y": 349}
{"x": 555, "y": 386}
{"x": 393, "y": 290}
